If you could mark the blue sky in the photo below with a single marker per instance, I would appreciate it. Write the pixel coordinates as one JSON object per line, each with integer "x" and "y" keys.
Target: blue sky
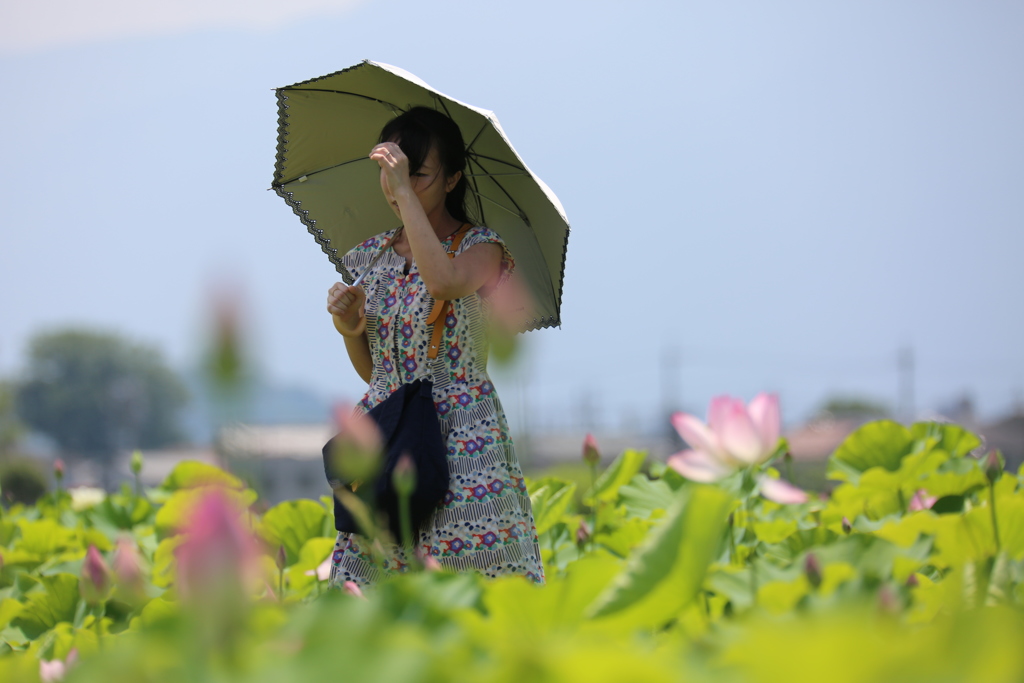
{"x": 777, "y": 195}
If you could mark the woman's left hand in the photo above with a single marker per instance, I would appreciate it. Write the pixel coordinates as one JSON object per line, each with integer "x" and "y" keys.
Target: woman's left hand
{"x": 395, "y": 165}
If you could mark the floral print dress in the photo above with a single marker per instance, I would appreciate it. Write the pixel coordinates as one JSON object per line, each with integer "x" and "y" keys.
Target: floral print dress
{"x": 485, "y": 522}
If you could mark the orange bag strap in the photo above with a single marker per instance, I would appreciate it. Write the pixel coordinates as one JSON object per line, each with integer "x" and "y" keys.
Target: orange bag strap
{"x": 438, "y": 315}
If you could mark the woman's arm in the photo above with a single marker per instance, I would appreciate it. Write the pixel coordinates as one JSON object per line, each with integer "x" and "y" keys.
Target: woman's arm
{"x": 346, "y": 304}
{"x": 359, "y": 353}
{"x": 448, "y": 278}
{"x": 445, "y": 278}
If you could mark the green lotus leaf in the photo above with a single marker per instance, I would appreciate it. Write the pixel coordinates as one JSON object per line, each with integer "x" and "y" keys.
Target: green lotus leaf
{"x": 163, "y": 561}
{"x": 618, "y": 474}
{"x": 46, "y": 537}
{"x": 643, "y": 496}
{"x": 291, "y": 524}
{"x": 875, "y": 444}
{"x": 664, "y": 575}
{"x": 191, "y": 473}
{"x": 45, "y": 608}
{"x": 550, "y": 503}
{"x": 174, "y": 515}
{"x": 774, "y": 531}
{"x": 951, "y": 438}
{"x": 9, "y": 609}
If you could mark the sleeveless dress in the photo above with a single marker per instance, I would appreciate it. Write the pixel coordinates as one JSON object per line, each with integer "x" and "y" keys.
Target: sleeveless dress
{"x": 485, "y": 522}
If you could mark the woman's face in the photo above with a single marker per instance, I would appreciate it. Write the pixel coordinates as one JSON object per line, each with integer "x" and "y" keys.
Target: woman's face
{"x": 428, "y": 182}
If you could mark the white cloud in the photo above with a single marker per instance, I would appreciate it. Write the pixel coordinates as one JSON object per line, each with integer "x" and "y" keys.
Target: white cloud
{"x": 31, "y": 25}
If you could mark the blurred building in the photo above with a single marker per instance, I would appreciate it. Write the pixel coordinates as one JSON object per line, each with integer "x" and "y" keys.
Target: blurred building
{"x": 281, "y": 462}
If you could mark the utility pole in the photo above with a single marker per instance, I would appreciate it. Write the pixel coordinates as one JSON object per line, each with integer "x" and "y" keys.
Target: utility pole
{"x": 905, "y": 363}
{"x": 671, "y": 390}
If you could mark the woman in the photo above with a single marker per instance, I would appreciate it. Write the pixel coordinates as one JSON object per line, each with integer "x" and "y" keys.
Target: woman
{"x": 484, "y": 522}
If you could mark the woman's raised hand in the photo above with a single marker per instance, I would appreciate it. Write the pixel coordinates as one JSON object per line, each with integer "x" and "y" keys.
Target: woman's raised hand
{"x": 392, "y": 160}
{"x": 345, "y": 304}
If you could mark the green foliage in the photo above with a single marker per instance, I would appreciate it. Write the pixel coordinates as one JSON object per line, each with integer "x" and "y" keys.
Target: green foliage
{"x": 876, "y": 444}
{"x": 664, "y": 575}
{"x": 11, "y": 428}
{"x": 96, "y": 393}
{"x": 190, "y": 474}
{"x": 674, "y": 581}
{"x": 292, "y": 524}
{"x": 21, "y": 481}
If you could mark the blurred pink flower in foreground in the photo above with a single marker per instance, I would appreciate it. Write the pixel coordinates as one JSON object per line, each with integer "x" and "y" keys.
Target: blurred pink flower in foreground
{"x": 735, "y": 436}
{"x": 352, "y": 588}
{"x": 921, "y": 501}
{"x": 218, "y": 550}
{"x": 53, "y": 670}
{"x": 356, "y": 453}
{"x": 782, "y": 492}
{"x": 322, "y": 571}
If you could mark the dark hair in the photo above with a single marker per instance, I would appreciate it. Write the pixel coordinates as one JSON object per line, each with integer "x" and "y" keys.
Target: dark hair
{"x": 421, "y": 128}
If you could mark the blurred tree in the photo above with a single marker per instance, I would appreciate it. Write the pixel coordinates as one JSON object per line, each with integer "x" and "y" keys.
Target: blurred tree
{"x": 11, "y": 428}
{"x": 97, "y": 394}
{"x": 855, "y": 407}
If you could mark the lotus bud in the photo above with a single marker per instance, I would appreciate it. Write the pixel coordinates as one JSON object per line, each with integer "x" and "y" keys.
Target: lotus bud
{"x": 888, "y": 601}
{"x": 404, "y": 476}
{"x": 591, "y": 454}
{"x": 58, "y": 470}
{"x": 352, "y": 588}
{"x": 912, "y": 581}
{"x": 921, "y": 501}
{"x": 431, "y": 564}
{"x": 582, "y": 533}
{"x": 127, "y": 566}
{"x": 219, "y": 553}
{"x": 136, "y": 463}
{"x": 847, "y": 527}
{"x": 357, "y": 447}
{"x": 281, "y": 558}
{"x": 993, "y": 466}
{"x": 812, "y": 569}
{"x": 51, "y": 670}
{"x": 95, "y": 584}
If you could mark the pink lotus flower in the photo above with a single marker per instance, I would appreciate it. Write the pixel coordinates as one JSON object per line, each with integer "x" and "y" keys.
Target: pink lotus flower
{"x": 921, "y": 501}
{"x": 218, "y": 550}
{"x": 734, "y": 437}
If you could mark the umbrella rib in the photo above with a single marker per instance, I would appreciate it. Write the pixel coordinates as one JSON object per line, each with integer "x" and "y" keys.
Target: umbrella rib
{"x": 522, "y": 214}
{"x": 500, "y": 161}
{"x": 443, "y": 106}
{"x": 501, "y": 206}
{"x": 476, "y": 192}
{"x": 476, "y": 137}
{"x": 328, "y": 168}
{"x": 474, "y": 175}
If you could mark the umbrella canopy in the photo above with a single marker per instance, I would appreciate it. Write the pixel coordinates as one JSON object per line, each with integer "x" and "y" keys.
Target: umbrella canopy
{"x": 327, "y": 127}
